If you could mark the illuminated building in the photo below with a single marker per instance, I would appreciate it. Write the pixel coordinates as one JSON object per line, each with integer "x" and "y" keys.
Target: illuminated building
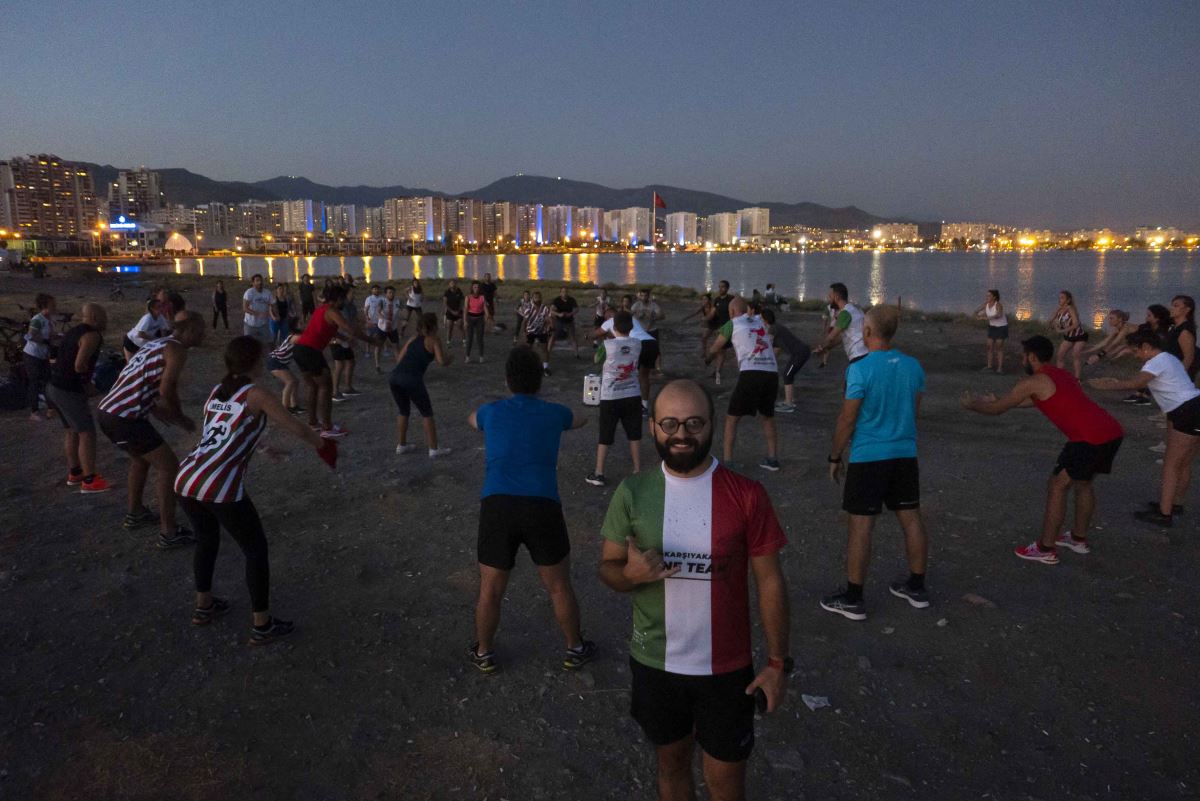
{"x": 754, "y": 221}
{"x": 721, "y": 228}
{"x": 136, "y": 194}
{"x": 895, "y": 233}
{"x": 635, "y": 225}
{"x": 680, "y": 228}
{"x": 530, "y": 230}
{"x": 45, "y": 196}
{"x": 303, "y": 216}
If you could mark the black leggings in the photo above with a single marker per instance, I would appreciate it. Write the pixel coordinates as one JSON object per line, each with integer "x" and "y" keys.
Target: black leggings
{"x": 37, "y": 373}
{"x": 474, "y": 332}
{"x": 223, "y": 313}
{"x": 240, "y": 519}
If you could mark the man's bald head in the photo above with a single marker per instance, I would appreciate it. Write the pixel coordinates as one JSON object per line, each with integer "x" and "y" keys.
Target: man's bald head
{"x": 94, "y": 315}
{"x": 737, "y": 307}
{"x": 681, "y": 399}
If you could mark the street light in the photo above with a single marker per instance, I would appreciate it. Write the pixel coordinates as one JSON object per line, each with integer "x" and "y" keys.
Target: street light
{"x": 307, "y": 236}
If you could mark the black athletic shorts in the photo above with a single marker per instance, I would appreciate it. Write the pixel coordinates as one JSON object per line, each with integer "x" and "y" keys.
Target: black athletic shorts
{"x": 453, "y": 316}
{"x": 627, "y": 412}
{"x": 871, "y": 485}
{"x": 1186, "y": 418}
{"x": 754, "y": 393}
{"x": 1083, "y": 461}
{"x": 542, "y": 337}
{"x": 799, "y": 359}
{"x": 129, "y": 345}
{"x": 506, "y": 522}
{"x": 132, "y": 436}
{"x": 412, "y": 394}
{"x": 563, "y": 328}
{"x": 997, "y": 332}
{"x": 670, "y": 706}
{"x": 392, "y": 336}
{"x": 341, "y": 353}
{"x": 274, "y": 364}
{"x": 649, "y": 354}
{"x": 310, "y": 360}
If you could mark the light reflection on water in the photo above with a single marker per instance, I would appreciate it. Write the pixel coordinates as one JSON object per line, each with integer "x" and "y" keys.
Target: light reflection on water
{"x": 955, "y": 282}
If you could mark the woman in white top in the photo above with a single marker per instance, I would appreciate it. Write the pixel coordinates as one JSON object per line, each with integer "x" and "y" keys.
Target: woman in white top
{"x": 416, "y": 299}
{"x": 1176, "y": 394}
{"x": 152, "y": 326}
{"x": 997, "y": 333}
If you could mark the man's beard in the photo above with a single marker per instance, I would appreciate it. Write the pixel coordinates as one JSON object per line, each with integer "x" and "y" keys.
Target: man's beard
{"x": 683, "y": 462}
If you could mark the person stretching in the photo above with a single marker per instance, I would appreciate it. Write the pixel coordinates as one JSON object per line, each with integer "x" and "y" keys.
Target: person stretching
{"x": 758, "y": 379}
{"x": 1175, "y": 393}
{"x": 798, "y": 355}
{"x": 408, "y": 384}
{"x": 1113, "y": 345}
{"x": 847, "y": 325}
{"x": 997, "y": 329}
{"x": 620, "y": 394}
{"x": 211, "y": 485}
{"x": 68, "y": 390}
{"x": 322, "y": 327}
{"x": 476, "y": 319}
{"x": 279, "y": 365}
{"x": 1093, "y": 439}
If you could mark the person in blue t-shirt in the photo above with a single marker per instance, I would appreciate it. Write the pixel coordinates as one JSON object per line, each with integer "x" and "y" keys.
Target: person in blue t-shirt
{"x": 878, "y": 421}
{"x": 520, "y": 506}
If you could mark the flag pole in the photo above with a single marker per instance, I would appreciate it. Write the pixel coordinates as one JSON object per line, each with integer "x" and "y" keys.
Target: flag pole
{"x": 653, "y": 217}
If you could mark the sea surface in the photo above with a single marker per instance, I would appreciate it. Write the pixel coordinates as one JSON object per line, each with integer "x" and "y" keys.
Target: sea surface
{"x": 931, "y": 281}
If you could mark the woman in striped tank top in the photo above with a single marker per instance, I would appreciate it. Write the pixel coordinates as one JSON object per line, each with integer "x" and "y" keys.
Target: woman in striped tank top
{"x": 279, "y": 365}
{"x": 211, "y": 484}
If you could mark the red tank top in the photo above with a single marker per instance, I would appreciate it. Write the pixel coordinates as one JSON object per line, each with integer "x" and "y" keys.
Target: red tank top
{"x": 318, "y": 333}
{"x": 1074, "y": 413}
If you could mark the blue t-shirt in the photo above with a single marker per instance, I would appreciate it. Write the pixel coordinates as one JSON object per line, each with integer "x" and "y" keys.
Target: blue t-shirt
{"x": 888, "y": 382}
{"x": 521, "y": 436}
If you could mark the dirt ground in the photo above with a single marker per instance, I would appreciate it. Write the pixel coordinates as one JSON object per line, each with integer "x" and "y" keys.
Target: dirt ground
{"x": 1023, "y": 681}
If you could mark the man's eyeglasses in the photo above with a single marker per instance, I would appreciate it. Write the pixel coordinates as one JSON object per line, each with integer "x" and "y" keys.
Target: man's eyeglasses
{"x": 692, "y": 425}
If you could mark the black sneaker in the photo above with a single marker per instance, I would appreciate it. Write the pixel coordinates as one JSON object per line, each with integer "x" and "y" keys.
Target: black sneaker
{"x": 139, "y": 519}
{"x": 1134, "y": 398}
{"x": 1154, "y": 518}
{"x": 182, "y": 536}
{"x": 546, "y": 372}
{"x": 203, "y": 615}
{"x": 918, "y": 599}
{"x": 597, "y": 480}
{"x": 1143, "y": 401}
{"x": 484, "y": 663}
{"x": 338, "y": 398}
{"x": 769, "y": 464}
{"x": 275, "y": 628}
{"x": 580, "y": 655}
{"x": 840, "y": 604}
{"x": 1176, "y": 509}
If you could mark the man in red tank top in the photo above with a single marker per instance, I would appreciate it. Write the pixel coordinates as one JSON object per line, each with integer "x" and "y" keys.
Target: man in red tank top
{"x": 1093, "y": 438}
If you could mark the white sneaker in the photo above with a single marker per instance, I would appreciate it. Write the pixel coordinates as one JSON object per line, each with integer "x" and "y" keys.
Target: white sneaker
{"x": 403, "y": 449}
{"x": 436, "y": 452}
{"x": 1065, "y": 540}
{"x": 785, "y": 408}
{"x": 1159, "y": 448}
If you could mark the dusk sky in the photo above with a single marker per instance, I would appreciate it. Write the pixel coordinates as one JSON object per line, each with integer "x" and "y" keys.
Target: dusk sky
{"x": 1032, "y": 113}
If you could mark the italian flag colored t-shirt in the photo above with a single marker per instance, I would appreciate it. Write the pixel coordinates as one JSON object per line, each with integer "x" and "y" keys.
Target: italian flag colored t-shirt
{"x": 697, "y": 622}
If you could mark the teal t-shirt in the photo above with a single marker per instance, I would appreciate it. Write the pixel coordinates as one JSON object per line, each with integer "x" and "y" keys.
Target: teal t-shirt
{"x": 887, "y": 382}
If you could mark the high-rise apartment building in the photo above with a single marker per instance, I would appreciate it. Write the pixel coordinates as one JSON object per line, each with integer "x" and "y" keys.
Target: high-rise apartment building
{"x": 256, "y": 218}
{"x": 530, "y": 228}
{"x": 560, "y": 223}
{"x": 371, "y": 222}
{"x": 754, "y": 221}
{"x": 589, "y": 223}
{"x": 612, "y": 226}
{"x": 499, "y": 221}
{"x": 680, "y": 229}
{"x": 721, "y": 228}
{"x": 175, "y": 217}
{"x": 967, "y": 232}
{"x": 416, "y": 219}
{"x": 45, "y": 196}
{"x": 896, "y": 233}
{"x": 136, "y": 194}
{"x": 342, "y": 220}
{"x": 303, "y": 216}
{"x": 635, "y": 225}
{"x": 464, "y": 218}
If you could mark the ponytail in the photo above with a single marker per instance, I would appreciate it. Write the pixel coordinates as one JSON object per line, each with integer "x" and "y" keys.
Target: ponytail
{"x": 242, "y": 354}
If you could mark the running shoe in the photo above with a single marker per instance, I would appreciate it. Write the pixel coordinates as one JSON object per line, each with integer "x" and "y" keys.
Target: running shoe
{"x": 138, "y": 519}
{"x": 96, "y": 485}
{"x": 480, "y": 361}
{"x": 352, "y": 392}
{"x": 783, "y": 407}
{"x": 596, "y": 480}
{"x": 203, "y": 615}
{"x": 645, "y": 412}
{"x": 338, "y": 398}
{"x": 484, "y": 663}
{"x": 717, "y": 379}
{"x": 437, "y": 453}
{"x": 181, "y": 536}
{"x": 580, "y": 655}
{"x": 918, "y": 599}
{"x": 769, "y": 464}
{"x": 1067, "y": 540}
{"x": 298, "y": 410}
{"x": 840, "y": 604}
{"x": 1034, "y": 553}
{"x": 74, "y": 479}
{"x": 1144, "y": 401}
{"x": 1176, "y": 509}
{"x": 1154, "y": 518}
{"x": 403, "y": 449}
{"x": 1134, "y": 398}
{"x": 1159, "y": 448}
{"x": 334, "y": 432}
{"x": 546, "y": 372}
{"x": 275, "y": 628}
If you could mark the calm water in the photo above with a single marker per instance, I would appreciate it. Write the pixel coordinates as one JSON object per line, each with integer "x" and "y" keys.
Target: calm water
{"x": 951, "y": 282}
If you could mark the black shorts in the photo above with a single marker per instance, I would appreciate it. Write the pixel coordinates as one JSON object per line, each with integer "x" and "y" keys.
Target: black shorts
{"x": 627, "y": 412}
{"x": 649, "y": 354}
{"x": 453, "y": 316}
{"x": 392, "y": 336}
{"x": 137, "y": 437}
{"x": 542, "y": 337}
{"x": 506, "y": 522}
{"x": 412, "y": 394}
{"x": 799, "y": 359}
{"x": 128, "y": 344}
{"x": 997, "y": 332}
{"x": 1082, "y": 336}
{"x": 341, "y": 353}
{"x": 754, "y": 393}
{"x": 274, "y": 364}
{"x": 670, "y": 706}
{"x": 563, "y": 328}
{"x": 1186, "y": 418}
{"x": 310, "y": 360}
{"x": 1083, "y": 461}
{"x": 870, "y": 485}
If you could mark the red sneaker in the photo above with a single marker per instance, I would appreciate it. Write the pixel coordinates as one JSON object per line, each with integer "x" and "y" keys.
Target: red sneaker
{"x": 97, "y": 484}
{"x": 334, "y": 432}
{"x": 74, "y": 479}
{"x": 1035, "y": 554}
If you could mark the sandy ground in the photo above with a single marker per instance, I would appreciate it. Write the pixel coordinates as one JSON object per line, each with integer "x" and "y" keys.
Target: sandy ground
{"x": 1067, "y": 682}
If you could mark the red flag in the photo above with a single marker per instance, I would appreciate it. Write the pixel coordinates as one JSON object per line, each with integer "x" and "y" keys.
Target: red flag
{"x": 658, "y": 202}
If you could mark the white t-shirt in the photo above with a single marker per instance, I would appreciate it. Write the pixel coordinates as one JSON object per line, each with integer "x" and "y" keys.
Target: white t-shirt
{"x": 1171, "y": 386}
{"x": 638, "y": 331}
{"x": 619, "y": 377}
{"x": 148, "y": 329}
{"x": 372, "y": 306}
{"x": 646, "y": 313}
{"x": 387, "y": 312}
{"x": 260, "y": 307}
{"x": 415, "y": 300}
{"x": 994, "y": 317}
{"x": 852, "y": 334}
{"x": 39, "y": 348}
{"x": 751, "y": 343}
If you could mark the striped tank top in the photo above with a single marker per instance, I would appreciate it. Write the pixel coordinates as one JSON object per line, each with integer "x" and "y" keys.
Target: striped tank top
{"x": 215, "y": 469}
{"x": 283, "y": 354}
{"x": 136, "y": 390}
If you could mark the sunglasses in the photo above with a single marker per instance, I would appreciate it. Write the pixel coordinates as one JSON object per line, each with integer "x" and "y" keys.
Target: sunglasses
{"x": 692, "y": 425}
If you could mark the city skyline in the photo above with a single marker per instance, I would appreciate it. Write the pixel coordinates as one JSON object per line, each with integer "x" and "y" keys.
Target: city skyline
{"x": 1049, "y": 116}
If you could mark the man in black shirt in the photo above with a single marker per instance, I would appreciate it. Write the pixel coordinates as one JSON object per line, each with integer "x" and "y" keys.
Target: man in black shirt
{"x": 721, "y": 304}
{"x": 798, "y": 353}
{"x": 489, "y": 297}
{"x": 452, "y": 310}
{"x": 563, "y": 309}
{"x": 306, "y": 296}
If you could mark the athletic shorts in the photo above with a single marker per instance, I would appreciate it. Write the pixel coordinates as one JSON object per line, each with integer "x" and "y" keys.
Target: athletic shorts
{"x": 670, "y": 706}
{"x": 72, "y": 409}
{"x": 627, "y": 412}
{"x": 997, "y": 332}
{"x": 542, "y": 337}
{"x": 871, "y": 485}
{"x": 563, "y": 328}
{"x": 341, "y": 353}
{"x": 412, "y": 394}
{"x": 137, "y": 437}
{"x": 129, "y": 345}
{"x": 1082, "y": 336}
{"x": 649, "y": 354}
{"x": 754, "y": 393}
{"x": 453, "y": 316}
{"x": 506, "y": 522}
{"x": 799, "y": 359}
{"x": 1186, "y": 418}
{"x": 274, "y": 364}
{"x": 310, "y": 360}
{"x": 392, "y": 336}
{"x": 1083, "y": 461}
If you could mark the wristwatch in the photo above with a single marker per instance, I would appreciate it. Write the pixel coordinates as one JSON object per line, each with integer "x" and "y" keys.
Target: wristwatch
{"x": 787, "y": 664}
{"x": 832, "y": 460}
